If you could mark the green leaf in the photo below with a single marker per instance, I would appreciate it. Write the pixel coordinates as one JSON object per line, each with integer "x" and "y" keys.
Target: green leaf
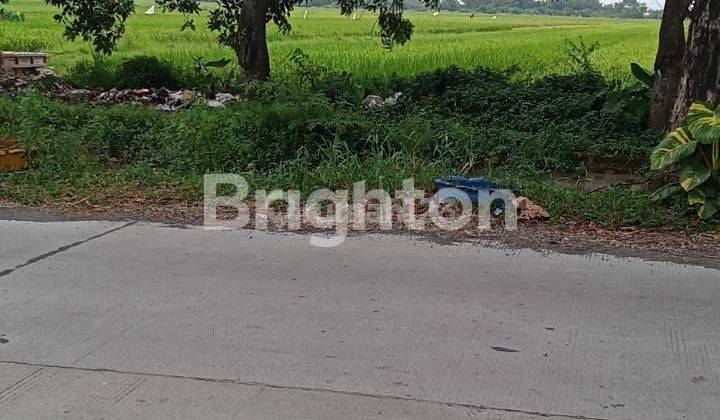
{"x": 692, "y": 174}
{"x": 645, "y": 76}
{"x": 675, "y": 147}
{"x": 696, "y": 197}
{"x": 704, "y": 122}
{"x": 665, "y": 192}
{"x": 707, "y": 210}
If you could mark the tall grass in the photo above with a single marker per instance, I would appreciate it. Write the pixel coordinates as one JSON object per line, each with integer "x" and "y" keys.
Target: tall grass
{"x": 535, "y": 43}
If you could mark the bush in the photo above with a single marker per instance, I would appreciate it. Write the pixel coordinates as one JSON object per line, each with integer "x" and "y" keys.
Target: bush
{"x": 146, "y": 72}
{"x": 473, "y": 121}
{"x": 139, "y": 72}
{"x": 99, "y": 73}
{"x": 305, "y": 136}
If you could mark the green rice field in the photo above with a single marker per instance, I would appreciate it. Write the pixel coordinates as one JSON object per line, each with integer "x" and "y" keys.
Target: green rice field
{"x": 535, "y": 43}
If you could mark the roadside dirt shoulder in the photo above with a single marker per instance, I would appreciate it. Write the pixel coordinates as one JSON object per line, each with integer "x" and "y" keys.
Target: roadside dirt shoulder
{"x": 670, "y": 245}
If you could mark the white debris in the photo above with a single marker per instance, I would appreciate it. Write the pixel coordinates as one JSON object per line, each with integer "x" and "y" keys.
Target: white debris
{"x": 393, "y": 100}
{"x": 212, "y": 103}
{"x": 375, "y": 100}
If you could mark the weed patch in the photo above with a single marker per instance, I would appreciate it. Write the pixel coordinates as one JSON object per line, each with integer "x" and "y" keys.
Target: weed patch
{"x": 306, "y": 136}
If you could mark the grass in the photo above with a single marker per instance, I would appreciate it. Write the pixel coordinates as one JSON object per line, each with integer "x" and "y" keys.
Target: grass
{"x": 292, "y": 136}
{"x": 535, "y": 43}
{"x": 300, "y": 136}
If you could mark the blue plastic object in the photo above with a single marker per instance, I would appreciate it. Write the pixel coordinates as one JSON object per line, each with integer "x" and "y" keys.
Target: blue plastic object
{"x": 478, "y": 189}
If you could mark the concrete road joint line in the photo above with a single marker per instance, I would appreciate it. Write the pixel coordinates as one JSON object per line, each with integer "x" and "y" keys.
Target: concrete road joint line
{"x": 42, "y": 366}
{"x": 62, "y": 249}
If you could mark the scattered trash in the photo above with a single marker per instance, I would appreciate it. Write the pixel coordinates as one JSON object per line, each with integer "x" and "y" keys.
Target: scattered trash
{"x": 12, "y": 158}
{"x": 529, "y": 210}
{"x": 220, "y": 100}
{"x": 393, "y": 100}
{"x": 215, "y": 104}
{"x": 46, "y": 81}
{"x": 375, "y": 100}
{"x": 478, "y": 189}
{"x": 225, "y": 97}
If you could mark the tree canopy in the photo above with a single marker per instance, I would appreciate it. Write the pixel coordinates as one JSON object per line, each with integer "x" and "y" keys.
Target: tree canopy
{"x": 101, "y": 22}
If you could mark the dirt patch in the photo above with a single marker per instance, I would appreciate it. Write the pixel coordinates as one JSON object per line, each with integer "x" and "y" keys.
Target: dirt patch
{"x": 569, "y": 238}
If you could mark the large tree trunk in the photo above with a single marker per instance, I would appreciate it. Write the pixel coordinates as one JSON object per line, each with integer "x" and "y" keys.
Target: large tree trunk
{"x": 251, "y": 48}
{"x": 701, "y": 69}
{"x": 668, "y": 62}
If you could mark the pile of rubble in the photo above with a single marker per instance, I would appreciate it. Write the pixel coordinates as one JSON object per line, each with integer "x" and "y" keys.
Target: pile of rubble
{"x": 46, "y": 81}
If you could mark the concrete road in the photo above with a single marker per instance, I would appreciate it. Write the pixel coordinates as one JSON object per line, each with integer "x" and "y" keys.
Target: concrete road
{"x": 115, "y": 320}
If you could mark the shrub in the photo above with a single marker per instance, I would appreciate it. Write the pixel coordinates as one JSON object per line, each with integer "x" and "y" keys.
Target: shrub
{"x": 140, "y": 72}
{"x": 695, "y": 149}
{"x": 146, "y": 72}
{"x": 96, "y": 74}
{"x": 301, "y": 135}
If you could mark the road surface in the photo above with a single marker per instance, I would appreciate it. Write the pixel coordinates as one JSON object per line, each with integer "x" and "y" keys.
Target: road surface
{"x": 136, "y": 320}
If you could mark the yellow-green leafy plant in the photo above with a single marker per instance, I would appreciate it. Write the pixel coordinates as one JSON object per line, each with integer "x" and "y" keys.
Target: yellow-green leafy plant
{"x": 695, "y": 149}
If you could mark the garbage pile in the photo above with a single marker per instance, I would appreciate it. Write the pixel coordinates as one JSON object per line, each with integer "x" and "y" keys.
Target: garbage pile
{"x": 162, "y": 99}
{"x": 46, "y": 81}
{"x": 42, "y": 79}
{"x": 371, "y": 101}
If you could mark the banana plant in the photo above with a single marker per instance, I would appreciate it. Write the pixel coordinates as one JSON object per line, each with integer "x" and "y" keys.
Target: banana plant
{"x": 695, "y": 149}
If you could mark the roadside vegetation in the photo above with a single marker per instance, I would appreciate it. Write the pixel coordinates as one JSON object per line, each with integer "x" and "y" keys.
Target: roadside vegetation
{"x": 315, "y": 132}
{"x": 522, "y": 109}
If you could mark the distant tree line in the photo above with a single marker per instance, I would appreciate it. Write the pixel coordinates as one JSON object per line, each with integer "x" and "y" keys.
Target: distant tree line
{"x": 589, "y": 8}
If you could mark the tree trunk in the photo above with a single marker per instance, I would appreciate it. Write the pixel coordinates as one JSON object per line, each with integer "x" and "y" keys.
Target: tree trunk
{"x": 701, "y": 69}
{"x": 251, "y": 48}
{"x": 668, "y": 63}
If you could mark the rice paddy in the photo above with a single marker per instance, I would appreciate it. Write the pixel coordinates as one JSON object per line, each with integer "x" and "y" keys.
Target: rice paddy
{"x": 535, "y": 43}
